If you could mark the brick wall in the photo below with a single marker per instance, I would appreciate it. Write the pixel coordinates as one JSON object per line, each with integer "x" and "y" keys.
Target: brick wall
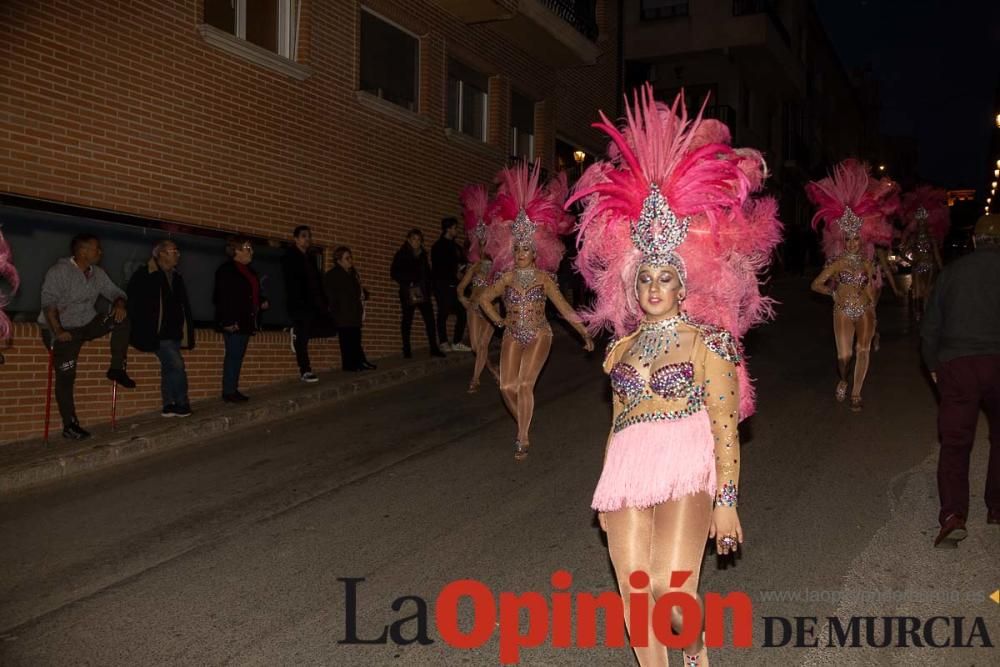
{"x": 123, "y": 106}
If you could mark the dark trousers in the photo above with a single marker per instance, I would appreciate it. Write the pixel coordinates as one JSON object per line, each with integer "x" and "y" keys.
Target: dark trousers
{"x": 302, "y": 330}
{"x": 173, "y": 376}
{"x": 236, "y": 349}
{"x": 65, "y": 355}
{"x": 448, "y": 305}
{"x": 427, "y": 313}
{"x": 352, "y": 357}
{"x": 967, "y": 384}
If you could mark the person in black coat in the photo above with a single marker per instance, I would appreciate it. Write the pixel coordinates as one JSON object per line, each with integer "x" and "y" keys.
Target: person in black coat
{"x": 346, "y": 297}
{"x": 306, "y": 302}
{"x": 238, "y": 304}
{"x": 412, "y": 270}
{"x": 447, "y": 264}
{"x": 160, "y": 312}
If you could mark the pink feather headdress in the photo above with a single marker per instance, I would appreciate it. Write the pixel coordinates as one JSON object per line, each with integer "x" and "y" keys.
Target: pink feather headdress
{"x": 927, "y": 203}
{"x": 674, "y": 192}
{"x": 848, "y": 204}
{"x": 8, "y": 273}
{"x": 525, "y": 212}
{"x": 475, "y": 202}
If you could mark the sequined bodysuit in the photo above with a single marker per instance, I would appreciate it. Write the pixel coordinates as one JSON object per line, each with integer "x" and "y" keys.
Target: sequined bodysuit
{"x": 706, "y": 381}
{"x": 525, "y": 313}
{"x": 923, "y": 251}
{"x": 855, "y": 301}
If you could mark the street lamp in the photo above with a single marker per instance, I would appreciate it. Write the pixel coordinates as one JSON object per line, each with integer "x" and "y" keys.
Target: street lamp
{"x": 579, "y": 156}
{"x": 881, "y": 167}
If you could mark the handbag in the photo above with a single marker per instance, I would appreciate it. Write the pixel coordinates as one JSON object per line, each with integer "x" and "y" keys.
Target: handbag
{"x": 416, "y": 295}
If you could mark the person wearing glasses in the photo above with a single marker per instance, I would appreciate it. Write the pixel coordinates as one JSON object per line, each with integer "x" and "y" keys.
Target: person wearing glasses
{"x": 239, "y": 302}
{"x": 160, "y": 312}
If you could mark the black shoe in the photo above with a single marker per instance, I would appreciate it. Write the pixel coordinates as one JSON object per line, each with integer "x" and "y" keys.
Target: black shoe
{"x": 72, "y": 431}
{"x": 952, "y": 532}
{"x": 368, "y": 365}
{"x": 169, "y": 410}
{"x": 236, "y": 397}
{"x": 240, "y": 397}
{"x": 121, "y": 377}
{"x": 438, "y": 353}
{"x": 182, "y": 410}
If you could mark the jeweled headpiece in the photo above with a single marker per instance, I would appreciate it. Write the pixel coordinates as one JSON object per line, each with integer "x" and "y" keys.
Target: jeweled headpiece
{"x": 921, "y": 214}
{"x": 523, "y": 230}
{"x": 849, "y": 222}
{"x": 658, "y": 231}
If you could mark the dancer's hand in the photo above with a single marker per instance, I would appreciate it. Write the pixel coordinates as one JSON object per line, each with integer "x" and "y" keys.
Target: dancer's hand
{"x": 603, "y": 520}
{"x": 588, "y": 342}
{"x": 726, "y": 524}
{"x": 934, "y": 377}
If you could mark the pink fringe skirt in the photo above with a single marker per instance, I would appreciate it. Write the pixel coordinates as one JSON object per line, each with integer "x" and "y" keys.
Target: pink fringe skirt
{"x": 649, "y": 463}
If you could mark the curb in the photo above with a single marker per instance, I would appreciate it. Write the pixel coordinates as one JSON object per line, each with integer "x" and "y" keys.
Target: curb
{"x": 148, "y": 433}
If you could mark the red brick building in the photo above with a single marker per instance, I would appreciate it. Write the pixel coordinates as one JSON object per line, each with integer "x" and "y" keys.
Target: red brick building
{"x": 202, "y": 118}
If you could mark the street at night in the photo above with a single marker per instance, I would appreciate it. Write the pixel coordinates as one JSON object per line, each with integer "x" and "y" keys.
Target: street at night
{"x": 232, "y": 551}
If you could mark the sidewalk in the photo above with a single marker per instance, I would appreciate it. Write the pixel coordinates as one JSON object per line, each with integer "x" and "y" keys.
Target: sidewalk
{"x": 32, "y": 463}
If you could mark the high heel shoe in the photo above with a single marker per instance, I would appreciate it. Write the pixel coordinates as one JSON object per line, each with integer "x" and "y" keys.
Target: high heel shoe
{"x": 696, "y": 659}
{"x": 520, "y": 450}
{"x": 856, "y": 404}
{"x": 841, "y": 392}
{"x": 473, "y": 387}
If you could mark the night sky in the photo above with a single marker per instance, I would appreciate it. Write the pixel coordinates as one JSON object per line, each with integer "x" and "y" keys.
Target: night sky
{"x": 938, "y": 68}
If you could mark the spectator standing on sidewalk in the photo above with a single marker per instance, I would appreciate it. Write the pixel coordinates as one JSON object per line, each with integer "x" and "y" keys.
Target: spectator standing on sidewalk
{"x": 347, "y": 297}
{"x": 238, "y": 304}
{"x": 160, "y": 313}
{"x": 961, "y": 346}
{"x": 69, "y": 318}
{"x": 306, "y": 302}
{"x": 412, "y": 271}
{"x": 447, "y": 263}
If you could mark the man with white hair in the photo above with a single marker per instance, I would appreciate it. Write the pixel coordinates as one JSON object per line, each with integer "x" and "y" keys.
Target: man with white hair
{"x": 160, "y": 312}
{"x": 961, "y": 346}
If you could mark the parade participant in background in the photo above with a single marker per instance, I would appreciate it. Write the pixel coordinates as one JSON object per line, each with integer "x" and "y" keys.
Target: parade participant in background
{"x": 239, "y": 303}
{"x": 411, "y": 269}
{"x": 447, "y": 262}
{"x": 160, "y": 312}
{"x": 885, "y": 191}
{"x": 69, "y": 318}
{"x": 305, "y": 299}
{"x": 9, "y": 274}
{"x": 523, "y": 240}
{"x": 671, "y": 243}
{"x": 474, "y": 204}
{"x": 961, "y": 346}
{"x": 925, "y": 214}
{"x": 853, "y": 226}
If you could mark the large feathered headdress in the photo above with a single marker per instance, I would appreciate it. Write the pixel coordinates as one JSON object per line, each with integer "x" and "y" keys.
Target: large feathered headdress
{"x": 475, "y": 201}
{"x": 8, "y": 273}
{"x": 523, "y": 212}
{"x": 675, "y": 193}
{"x": 849, "y": 203}
{"x": 929, "y": 204}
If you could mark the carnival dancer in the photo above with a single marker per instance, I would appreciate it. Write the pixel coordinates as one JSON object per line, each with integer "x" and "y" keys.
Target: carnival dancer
{"x": 885, "y": 191}
{"x": 672, "y": 244}
{"x": 854, "y": 225}
{"x": 10, "y": 275}
{"x": 523, "y": 241}
{"x": 925, "y": 213}
{"x": 475, "y": 200}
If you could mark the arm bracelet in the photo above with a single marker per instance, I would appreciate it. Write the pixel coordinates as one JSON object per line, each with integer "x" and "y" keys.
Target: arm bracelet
{"x": 726, "y": 496}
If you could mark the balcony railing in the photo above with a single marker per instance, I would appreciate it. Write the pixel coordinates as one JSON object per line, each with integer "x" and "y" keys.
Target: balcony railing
{"x": 578, "y": 13}
{"x": 748, "y": 7}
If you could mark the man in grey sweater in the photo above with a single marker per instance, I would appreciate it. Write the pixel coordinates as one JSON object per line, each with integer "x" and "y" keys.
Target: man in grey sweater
{"x": 69, "y": 318}
{"x": 961, "y": 346}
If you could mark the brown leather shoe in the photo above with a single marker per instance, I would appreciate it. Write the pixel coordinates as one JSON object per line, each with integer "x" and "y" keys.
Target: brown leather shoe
{"x": 952, "y": 532}
{"x": 993, "y": 516}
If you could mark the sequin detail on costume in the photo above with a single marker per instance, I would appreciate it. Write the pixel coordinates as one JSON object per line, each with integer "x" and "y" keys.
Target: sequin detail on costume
{"x": 654, "y": 339}
{"x": 481, "y": 278}
{"x": 626, "y": 381}
{"x": 695, "y": 403}
{"x": 673, "y": 380}
{"x": 722, "y": 343}
{"x": 727, "y": 496}
{"x": 526, "y": 314}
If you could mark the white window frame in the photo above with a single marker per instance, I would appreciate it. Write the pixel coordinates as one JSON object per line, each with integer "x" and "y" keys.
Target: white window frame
{"x": 513, "y": 144}
{"x": 288, "y": 25}
{"x": 461, "y": 115}
{"x": 416, "y": 73}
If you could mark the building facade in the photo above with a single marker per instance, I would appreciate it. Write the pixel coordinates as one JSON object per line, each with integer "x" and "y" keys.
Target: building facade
{"x": 198, "y": 119}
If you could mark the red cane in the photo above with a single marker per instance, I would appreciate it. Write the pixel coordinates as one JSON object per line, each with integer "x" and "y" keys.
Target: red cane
{"x": 48, "y": 398}
{"x": 114, "y": 404}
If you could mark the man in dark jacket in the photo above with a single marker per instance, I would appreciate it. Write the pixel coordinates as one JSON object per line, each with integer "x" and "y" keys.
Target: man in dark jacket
{"x": 961, "y": 346}
{"x": 447, "y": 260}
{"x": 347, "y": 299}
{"x": 305, "y": 299}
{"x": 160, "y": 313}
{"x": 412, "y": 270}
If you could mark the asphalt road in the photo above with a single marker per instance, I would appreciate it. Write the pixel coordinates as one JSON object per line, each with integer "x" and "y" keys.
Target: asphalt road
{"x": 234, "y": 551}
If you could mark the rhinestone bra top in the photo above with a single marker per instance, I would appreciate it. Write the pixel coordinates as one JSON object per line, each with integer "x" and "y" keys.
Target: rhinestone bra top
{"x": 671, "y": 381}
{"x": 514, "y": 298}
{"x": 858, "y": 277}
{"x": 481, "y": 277}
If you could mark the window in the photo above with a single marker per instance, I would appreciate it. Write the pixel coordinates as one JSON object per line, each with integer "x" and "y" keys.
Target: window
{"x": 467, "y": 100}
{"x": 662, "y": 9}
{"x": 522, "y": 126}
{"x": 389, "y": 61}
{"x": 270, "y": 24}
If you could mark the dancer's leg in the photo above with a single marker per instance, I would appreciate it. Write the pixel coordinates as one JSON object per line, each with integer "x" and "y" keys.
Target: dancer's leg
{"x": 865, "y": 328}
{"x": 532, "y": 360}
{"x": 510, "y": 367}
{"x": 843, "y": 334}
